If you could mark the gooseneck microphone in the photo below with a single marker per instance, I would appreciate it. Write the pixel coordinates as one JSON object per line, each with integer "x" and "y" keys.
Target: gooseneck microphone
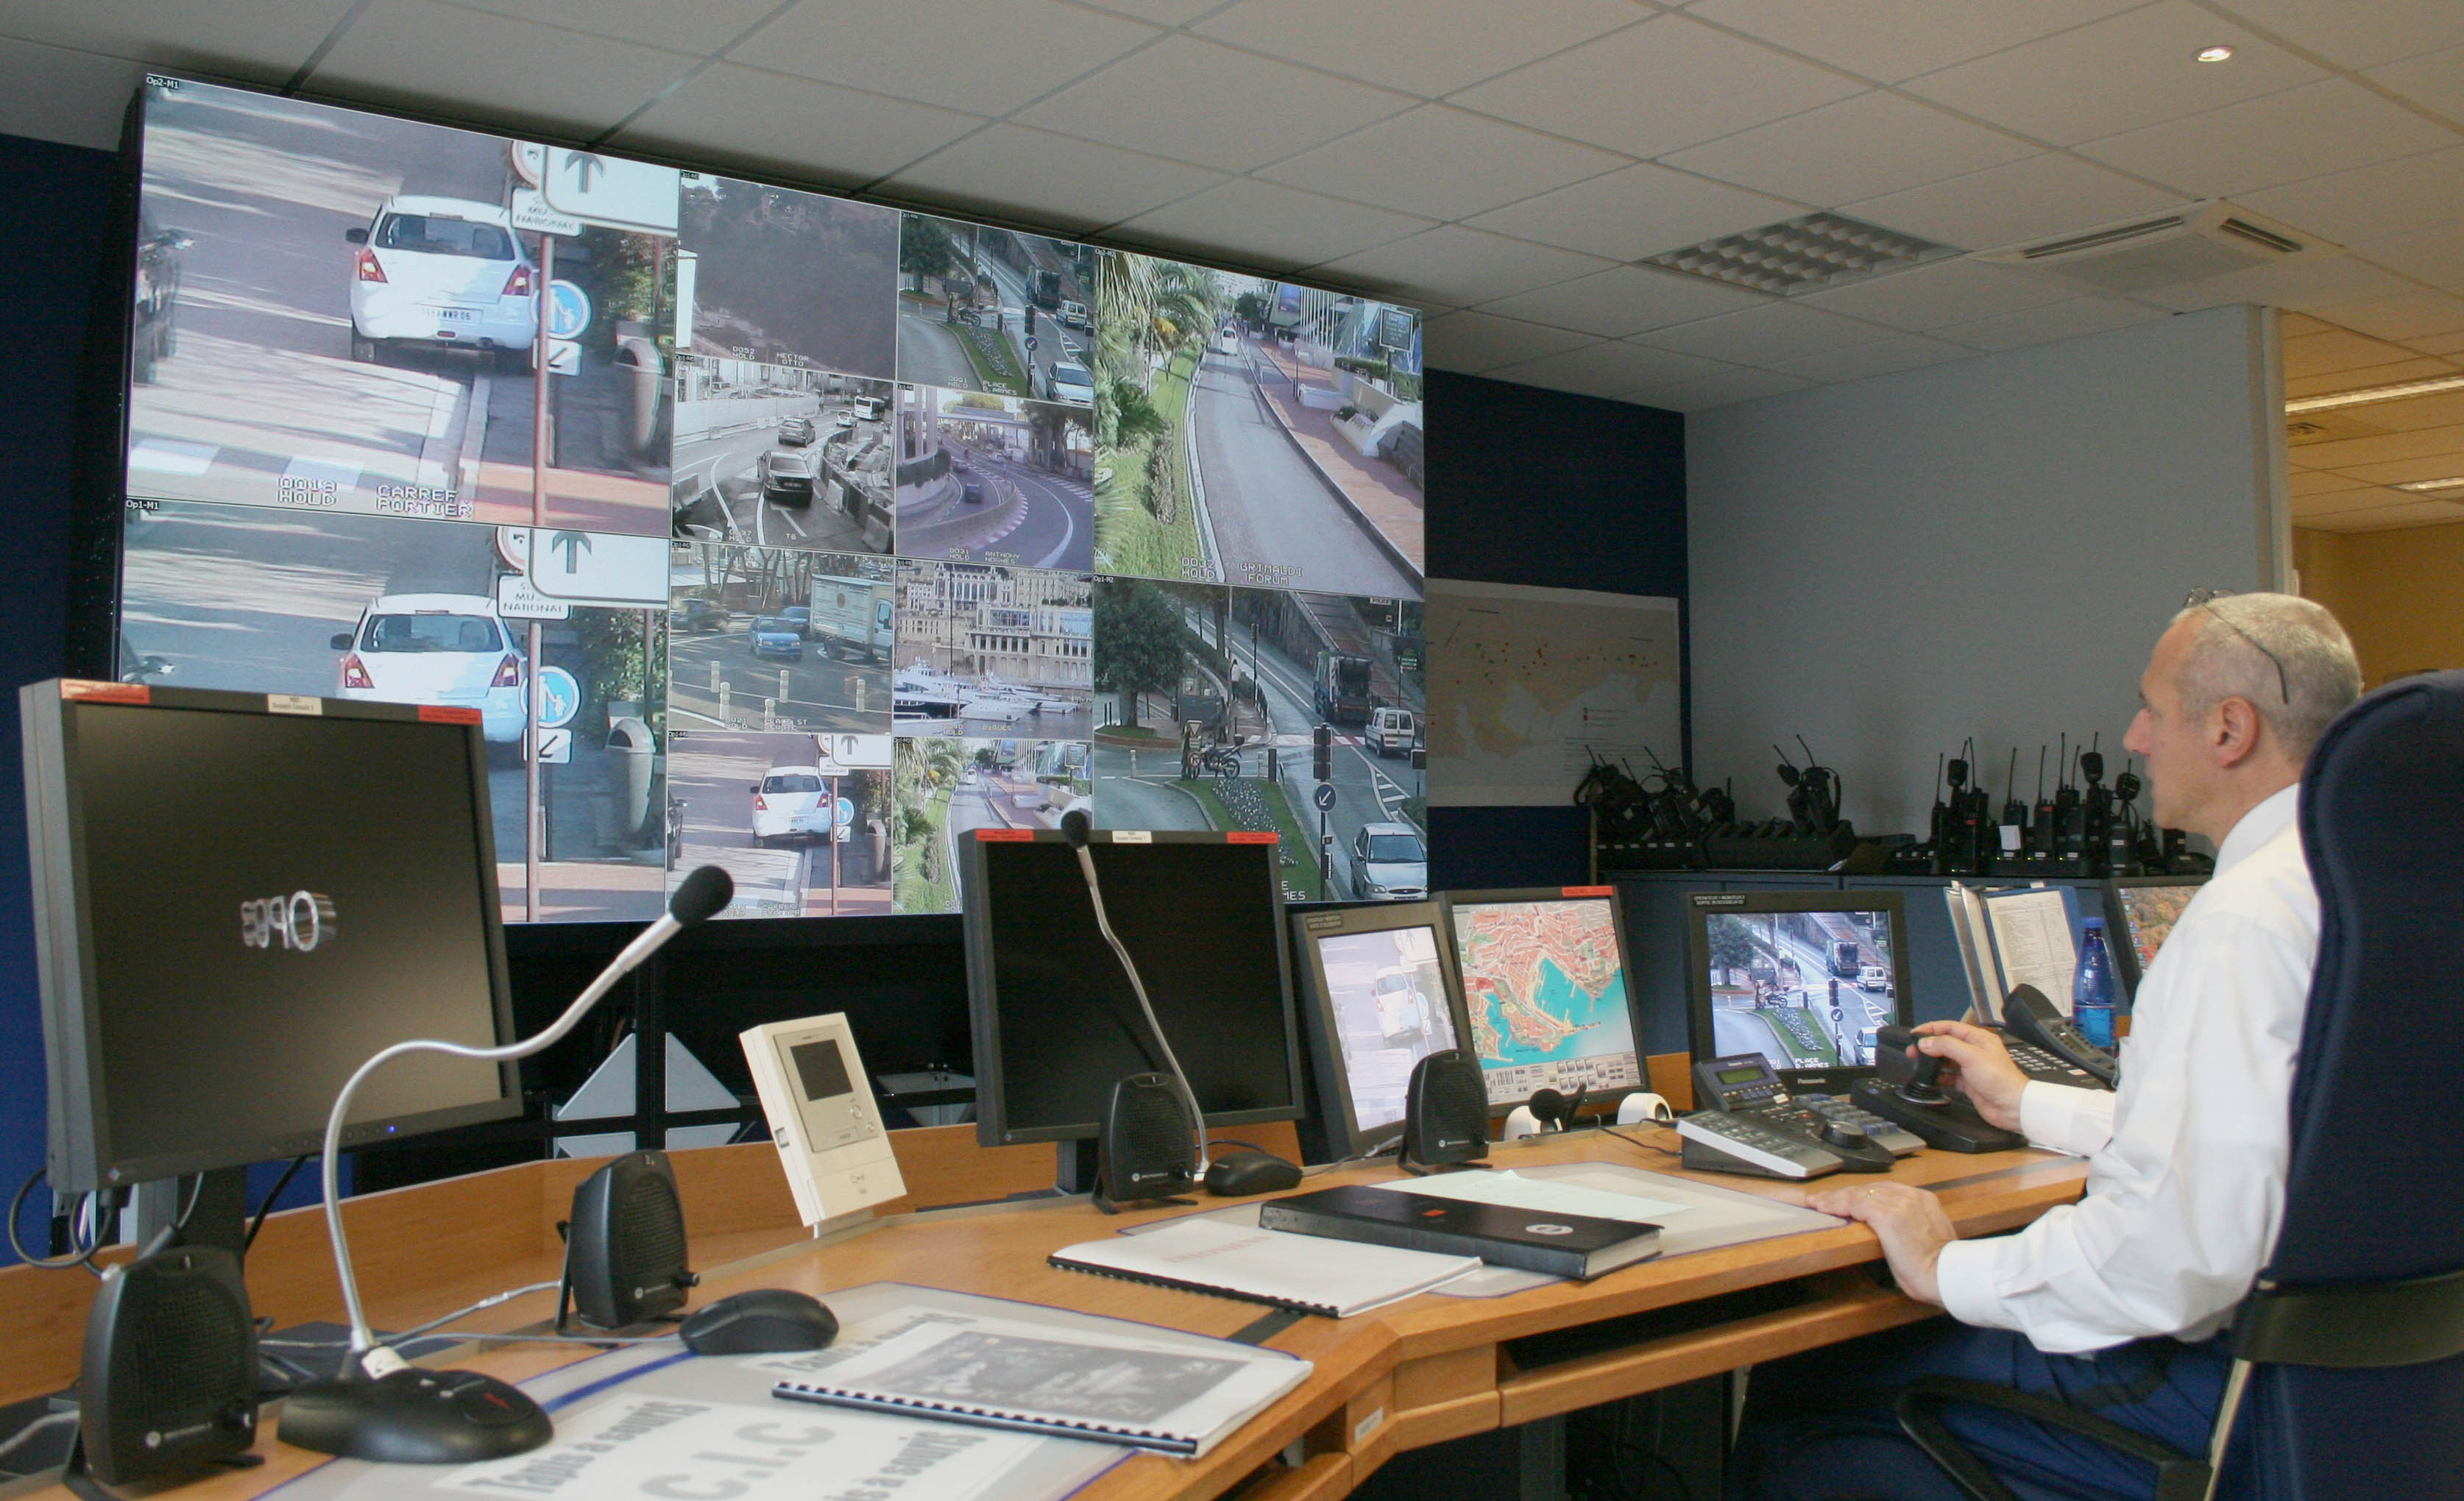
{"x": 1074, "y": 827}
{"x": 700, "y": 896}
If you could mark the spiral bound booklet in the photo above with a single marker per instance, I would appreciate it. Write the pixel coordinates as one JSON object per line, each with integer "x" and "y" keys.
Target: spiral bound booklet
{"x": 1039, "y": 1380}
{"x": 1303, "y": 1272}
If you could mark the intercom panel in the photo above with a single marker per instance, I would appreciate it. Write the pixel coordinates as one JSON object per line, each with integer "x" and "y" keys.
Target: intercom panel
{"x": 820, "y": 1106}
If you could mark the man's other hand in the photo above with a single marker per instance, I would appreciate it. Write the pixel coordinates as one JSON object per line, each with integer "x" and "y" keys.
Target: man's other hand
{"x": 1978, "y": 1066}
{"x": 1909, "y": 1222}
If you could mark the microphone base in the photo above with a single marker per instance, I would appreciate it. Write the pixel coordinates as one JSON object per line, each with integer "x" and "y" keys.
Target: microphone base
{"x": 416, "y": 1416}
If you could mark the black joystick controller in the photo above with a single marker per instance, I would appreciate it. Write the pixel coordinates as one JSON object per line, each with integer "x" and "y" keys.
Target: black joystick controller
{"x": 1907, "y": 1092}
{"x": 1923, "y": 1085}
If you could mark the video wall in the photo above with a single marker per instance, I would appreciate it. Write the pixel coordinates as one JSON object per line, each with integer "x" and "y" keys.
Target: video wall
{"x": 766, "y": 528}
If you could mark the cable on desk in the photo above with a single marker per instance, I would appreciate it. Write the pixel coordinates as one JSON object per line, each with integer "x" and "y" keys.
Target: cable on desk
{"x": 489, "y": 1301}
{"x": 1389, "y": 1148}
{"x": 1648, "y": 1146}
{"x": 73, "y": 1257}
{"x": 47, "y": 1421}
{"x": 266, "y": 1208}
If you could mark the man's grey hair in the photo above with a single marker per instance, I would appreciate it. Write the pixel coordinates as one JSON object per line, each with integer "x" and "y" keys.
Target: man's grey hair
{"x": 2228, "y": 658}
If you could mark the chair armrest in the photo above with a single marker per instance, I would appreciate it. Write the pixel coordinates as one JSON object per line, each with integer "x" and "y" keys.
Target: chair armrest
{"x": 2365, "y": 1324}
{"x": 1918, "y": 1407}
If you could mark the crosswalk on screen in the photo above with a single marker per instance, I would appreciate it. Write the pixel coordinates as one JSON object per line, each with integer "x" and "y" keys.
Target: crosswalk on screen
{"x": 1544, "y": 979}
{"x": 765, "y": 528}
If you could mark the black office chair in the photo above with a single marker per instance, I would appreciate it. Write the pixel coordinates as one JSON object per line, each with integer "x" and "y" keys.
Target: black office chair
{"x": 2348, "y": 1353}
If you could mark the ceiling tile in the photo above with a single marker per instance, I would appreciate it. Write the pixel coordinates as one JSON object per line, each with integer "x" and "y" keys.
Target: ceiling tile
{"x": 1472, "y": 342}
{"x": 2292, "y": 325}
{"x": 1429, "y": 47}
{"x": 2357, "y": 497}
{"x": 1198, "y": 101}
{"x": 2443, "y": 443}
{"x": 1639, "y": 211}
{"x": 2310, "y": 486}
{"x": 1010, "y": 52}
{"x": 1927, "y": 297}
{"x": 73, "y": 97}
{"x": 2306, "y": 282}
{"x": 1860, "y": 148}
{"x": 440, "y": 58}
{"x": 1889, "y": 356}
{"x": 1276, "y": 226}
{"x": 1652, "y": 88}
{"x": 1162, "y": 12}
{"x": 2404, "y": 472}
{"x": 2375, "y": 375}
{"x": 704, "y": 26}
{"x": 1442, "y": 162}
{"x": 1464, "y": 266}
{"x": 1608, "y": 369}
{"x": 2119, "y": 74}
{"x": 2436, "y": 81}
{"x": 1627, "y": 299}
{"x": 262, "y": 42}
{"x": 1725, "y": 389}
{"x": 2405, "y": 315}
{"x": 2372, "y": 202}
{"x": 2055, "y": 320}
{"x": 2323, "y": 353}
{"x": 2306, "y": 132}
{"x": 2388, "y": 518}
{"x": 1895, "y": 39}
{"x": 2359, "y": 32}
{"x": 2034, "y": 197}
{"x": 792, "y": 127}
{"x": 2434, "y": 256}
{"x": 2439, "y": 344}
{"x": 1040, "y": 178}
{"x": 1766, "y": 336}
{"x": 2446, "y": 409}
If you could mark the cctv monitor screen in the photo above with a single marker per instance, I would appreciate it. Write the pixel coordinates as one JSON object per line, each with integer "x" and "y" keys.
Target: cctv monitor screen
{"x": 2146, "y": 909}
{"x": 1805, "y": 979}
{"x": 1381, "y": 996}
{"x": 1546, "y": 991}
{"x": 237, "y": 907}
{"x": 1056, "y": 1023}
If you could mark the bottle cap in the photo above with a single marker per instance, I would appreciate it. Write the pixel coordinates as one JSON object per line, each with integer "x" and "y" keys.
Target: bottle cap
{"x": 2096, "y": 922}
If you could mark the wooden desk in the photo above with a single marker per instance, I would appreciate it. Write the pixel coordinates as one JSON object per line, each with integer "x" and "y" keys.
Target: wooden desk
{"x": 1415, "y": 1373}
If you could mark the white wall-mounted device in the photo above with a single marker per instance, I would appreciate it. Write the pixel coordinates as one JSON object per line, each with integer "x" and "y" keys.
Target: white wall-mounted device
{"x": 822, "y": 1116}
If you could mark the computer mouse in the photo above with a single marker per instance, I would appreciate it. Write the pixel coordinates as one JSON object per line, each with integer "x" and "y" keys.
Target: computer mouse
{"x": 760, "y": 1322}
{"x": 416, "y": 1416}
{"x": 1235, "y": 1174}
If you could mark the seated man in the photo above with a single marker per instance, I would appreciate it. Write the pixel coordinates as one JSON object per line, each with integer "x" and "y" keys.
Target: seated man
{"x": 2116, "y": 1303}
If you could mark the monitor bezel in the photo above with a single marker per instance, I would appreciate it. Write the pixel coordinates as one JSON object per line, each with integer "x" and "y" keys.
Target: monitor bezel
{"x": 1701, "y": 905}
{"x": 1616, "y": 900}
{"x": 1337, "y": 1111}
{"x": 81, "y": 1156}
{"x": 2117, "y": 922}
{"x": 984, "y": 1009}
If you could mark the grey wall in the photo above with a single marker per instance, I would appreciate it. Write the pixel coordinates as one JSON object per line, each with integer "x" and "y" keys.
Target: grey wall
{"x": 1986, "y": 547}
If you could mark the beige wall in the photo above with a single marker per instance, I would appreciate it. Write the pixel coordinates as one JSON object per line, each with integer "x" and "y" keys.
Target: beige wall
{"x": 2401, "y": 594}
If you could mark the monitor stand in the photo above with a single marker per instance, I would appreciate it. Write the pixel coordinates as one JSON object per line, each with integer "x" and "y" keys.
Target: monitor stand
{"x": 218, "y": 1218}
{"x": 1074, "y": 1167}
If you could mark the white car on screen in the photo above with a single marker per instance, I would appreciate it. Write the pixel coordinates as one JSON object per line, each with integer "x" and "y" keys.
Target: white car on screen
{"x": 791, "y": 802}
{"x": 1069, "y": 382}
{"x": 448, "y": 649}
{"x": 446, "y": 272}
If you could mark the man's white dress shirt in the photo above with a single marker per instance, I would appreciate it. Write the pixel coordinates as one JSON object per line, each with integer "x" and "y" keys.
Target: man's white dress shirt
{"x": 2185, "y": 1163}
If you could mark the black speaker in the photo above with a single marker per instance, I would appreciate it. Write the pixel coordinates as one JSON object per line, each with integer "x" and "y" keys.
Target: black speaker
{"x": 1445, "y": 1111}
{"x": 169, "y": 1379}
{"x": 624, "y": 1250}
{"x": 1148, "y": 1147}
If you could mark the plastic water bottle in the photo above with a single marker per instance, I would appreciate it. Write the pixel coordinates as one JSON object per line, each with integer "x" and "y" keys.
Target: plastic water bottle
{"x": 2092, "y": 988}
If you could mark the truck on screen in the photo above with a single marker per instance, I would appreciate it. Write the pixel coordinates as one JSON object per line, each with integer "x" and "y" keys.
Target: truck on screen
{"x": 1342, "y": 692}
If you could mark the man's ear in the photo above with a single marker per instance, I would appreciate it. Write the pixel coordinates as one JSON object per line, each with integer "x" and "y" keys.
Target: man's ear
{"x": 2234, "y": 733}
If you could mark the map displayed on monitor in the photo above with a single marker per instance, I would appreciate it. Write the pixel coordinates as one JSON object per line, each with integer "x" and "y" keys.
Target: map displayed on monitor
{"x": 1546, "y": 984}
{"x": 1389, "y": 993}
{"x": 1805, "y": 990}
{"x": 2151, "y": 912}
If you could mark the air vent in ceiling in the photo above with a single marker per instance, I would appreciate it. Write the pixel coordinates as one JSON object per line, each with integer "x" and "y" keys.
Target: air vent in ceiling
{"x": 1805, "y": 255}
{"x": 2329, "y": 427}
{"x": 2194, "y": 243}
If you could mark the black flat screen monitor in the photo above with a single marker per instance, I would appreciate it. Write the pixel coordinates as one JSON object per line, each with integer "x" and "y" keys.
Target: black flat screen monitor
{"x": 239, "y": 900}
{"x": 1804, "y": 978}
{"x": 1056, "y": 1023}
{"x": 1546, "y": 991}
{"x": 1379, "y": 995}
{"x": 2139, "y": 914}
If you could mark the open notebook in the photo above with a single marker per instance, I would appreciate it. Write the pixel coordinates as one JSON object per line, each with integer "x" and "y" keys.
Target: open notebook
{"x": 1306, "y": 1273}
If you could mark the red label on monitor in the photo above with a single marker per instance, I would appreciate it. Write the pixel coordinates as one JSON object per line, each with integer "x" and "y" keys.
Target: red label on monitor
{"x": 106, "y": 692}
{"x": 1253, "y": 836}
{"x": 447, "y": 714}
{"x": 1586, "y": 891}
{"x": 1004, "y": 836}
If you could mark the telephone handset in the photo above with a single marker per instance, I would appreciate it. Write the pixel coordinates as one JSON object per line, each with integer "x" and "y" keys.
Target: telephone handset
{"x": 1907, "y": 1092}
{"x": 2029, "y": 1017}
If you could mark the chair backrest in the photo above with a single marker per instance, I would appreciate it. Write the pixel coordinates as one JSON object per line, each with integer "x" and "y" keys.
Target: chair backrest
{"x": 2376, "y": 1186}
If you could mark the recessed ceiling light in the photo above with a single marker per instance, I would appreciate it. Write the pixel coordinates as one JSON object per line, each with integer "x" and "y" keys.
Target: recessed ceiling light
{"x": 2213, "y": 54}
{"x": 1803, "y": 254}
{"x": 2424, "y": 486}
{"x": 2377, "y": 393}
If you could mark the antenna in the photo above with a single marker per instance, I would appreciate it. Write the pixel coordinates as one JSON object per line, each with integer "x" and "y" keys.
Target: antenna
{"x": 1937, "y": 776}
{"x": 2011, "y": 783}
{"x": 1807, "y": 749}
{"x": 2063, "y": 762}
{"x": 2040, "y": 773}
{"x": 1782, "y": 754}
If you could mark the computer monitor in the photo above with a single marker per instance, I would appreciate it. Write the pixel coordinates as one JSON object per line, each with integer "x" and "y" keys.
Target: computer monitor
{"x": 1805, "y": 978}
{"x": 1056, "y": 1023}
{"x": 1379, "y": 995}
{"x": 239, "y": 897}
{"x": 2141, "y": 911}
{"x": 1546, "y": 993}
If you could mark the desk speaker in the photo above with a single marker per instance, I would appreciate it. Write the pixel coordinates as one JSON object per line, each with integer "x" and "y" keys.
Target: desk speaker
{"x": 625, "y": 1249}
{"x": 1445, "y": 1111}
{"x": 1148, "y": 1147}
{"x": 168, "y": 1383}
